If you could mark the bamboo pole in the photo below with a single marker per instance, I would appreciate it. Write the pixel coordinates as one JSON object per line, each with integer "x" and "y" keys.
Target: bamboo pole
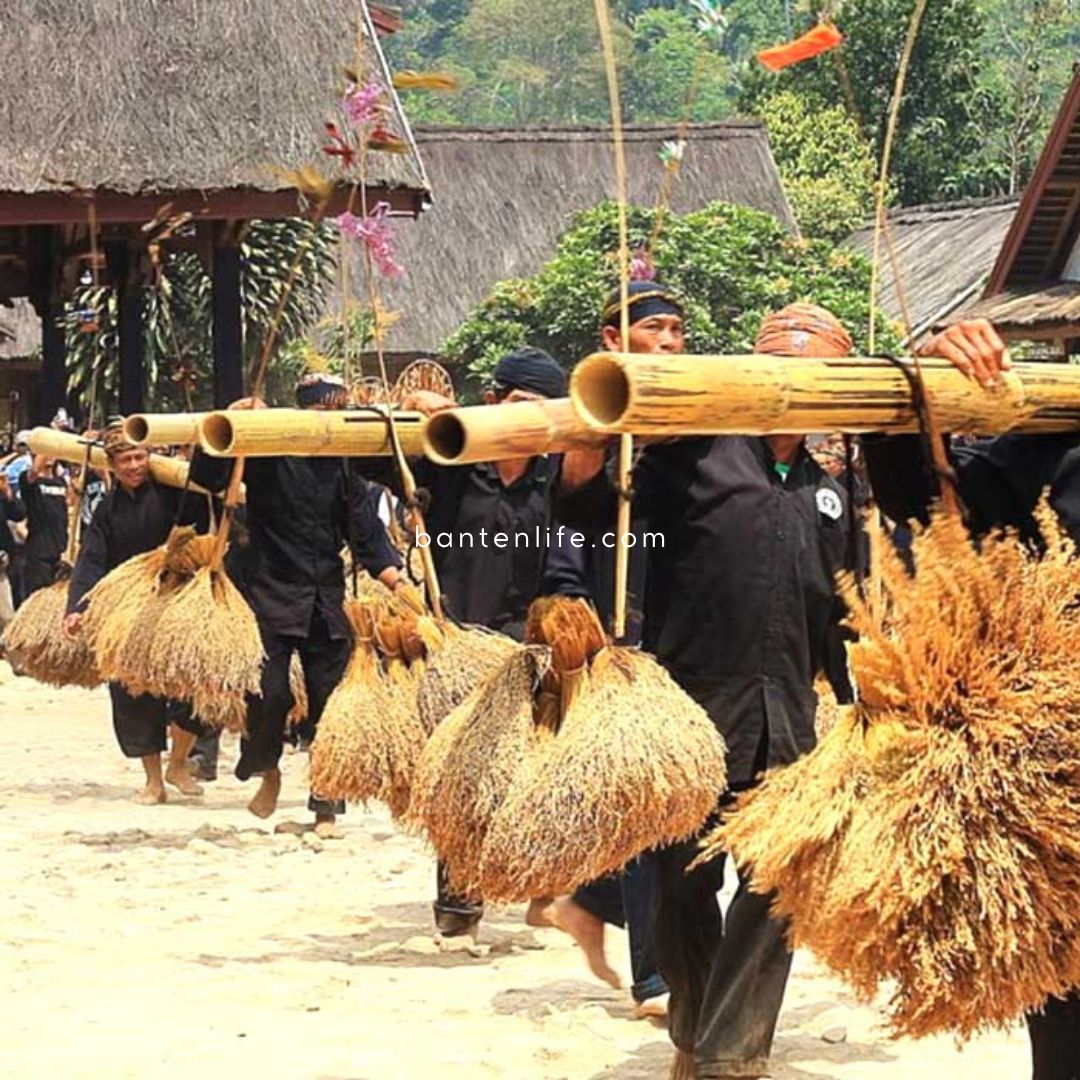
{"x": 762, "y": 395}
{"x": 307, "y": 433}
{"x": 61, "y": 446}
{"x": 499, "y": 432}
{"x": 162, "y": 429}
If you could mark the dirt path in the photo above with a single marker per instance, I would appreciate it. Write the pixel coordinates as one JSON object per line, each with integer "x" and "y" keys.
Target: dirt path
{"x": 142, "y": 941}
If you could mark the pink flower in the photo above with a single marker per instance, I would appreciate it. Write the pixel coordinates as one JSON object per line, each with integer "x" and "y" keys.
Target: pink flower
{"x": 377, "y": 234}
{"x": 641, "y": 267}
{"x": 363, "y": 104}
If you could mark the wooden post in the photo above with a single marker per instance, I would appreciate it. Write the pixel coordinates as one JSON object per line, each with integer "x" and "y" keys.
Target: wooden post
{"x": 228, "y": 330}
{"x": 45, "y": 296}
{"x": 122, "y": 259}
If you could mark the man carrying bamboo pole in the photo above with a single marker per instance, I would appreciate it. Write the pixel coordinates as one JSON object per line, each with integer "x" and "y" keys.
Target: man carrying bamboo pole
{"x": 134, "y": 517}
{"x": 1000, "y": 481}
{"x": 44, "y": 490}
{"x": 740, "y": 607}
{"x": 483, "y": 582}
{"x": 300, "y": 511}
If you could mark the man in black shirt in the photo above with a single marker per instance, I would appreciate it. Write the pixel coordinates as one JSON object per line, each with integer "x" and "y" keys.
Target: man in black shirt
{"x": 483, "y": 582}
{"x": 134, "y": 517}
{"x": 44, "y": 489}
{"x": 1000, "y": 481}
{"x": 299, "y": 514}
{"x": 11, "y": 511}
{"x": 739, "y": 602}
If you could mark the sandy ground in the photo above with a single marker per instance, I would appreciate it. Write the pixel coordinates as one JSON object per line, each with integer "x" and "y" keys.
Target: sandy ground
{"x": 188, "y": 940}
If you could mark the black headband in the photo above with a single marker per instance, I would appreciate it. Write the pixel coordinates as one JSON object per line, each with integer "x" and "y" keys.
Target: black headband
{"x": 642, "y": 305}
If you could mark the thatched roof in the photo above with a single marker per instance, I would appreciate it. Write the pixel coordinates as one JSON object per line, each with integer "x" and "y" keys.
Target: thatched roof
{"x": 20, "y": 331}
{"x": 157, "y": 96}
{"x": 1018, "y": 309}
{"x": 502, "y": 197}
{"x": 944, "y": 253}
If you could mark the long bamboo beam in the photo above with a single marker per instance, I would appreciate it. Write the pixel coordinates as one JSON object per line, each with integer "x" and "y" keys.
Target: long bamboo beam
{"x": 307, "y": 433}
{"x": 498, "y": 432}
{"x": 162, "y": 429}
{"x": 62, "y": 446}
{"x": 762, "y": 395}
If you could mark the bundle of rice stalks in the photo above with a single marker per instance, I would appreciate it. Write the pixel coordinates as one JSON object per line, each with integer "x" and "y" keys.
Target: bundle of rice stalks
{"x": 369, "y": 738}
{"x": 473, "y": 758}
{"x": 170, "y": 623}
{"x": 930, "y": 840}
{"x": 635, "y": 764}
{"x": 38, "y": 647}
{"x": 467, "y": 657}
{"x": 570, "y": 760}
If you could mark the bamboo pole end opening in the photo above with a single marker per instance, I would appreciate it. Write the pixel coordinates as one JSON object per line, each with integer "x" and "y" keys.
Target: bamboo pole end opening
{"x": 136, "y": 430}
{"x": 216, "y": 433}
{"x": 600, "y": 390}
{"x": 445, "y": 438}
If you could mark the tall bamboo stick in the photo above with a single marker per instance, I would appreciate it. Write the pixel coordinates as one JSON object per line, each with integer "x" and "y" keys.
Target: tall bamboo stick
{"x": 162, "y": 429}
{"x": 172, "y": 472}
{"x": 760, "y": 395}
{"x": 307, "y": 433}
{"x": 499, "y": 432}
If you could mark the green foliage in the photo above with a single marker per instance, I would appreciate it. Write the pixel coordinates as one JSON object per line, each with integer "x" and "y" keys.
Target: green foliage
{"x": 827, "y": 167}
{"x": 731, "y": 266}
{"x": 177, "y": 324}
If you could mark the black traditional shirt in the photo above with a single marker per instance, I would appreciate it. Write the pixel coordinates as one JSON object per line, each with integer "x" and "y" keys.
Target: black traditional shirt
{"x": 45, "y": 500}
{"x": 482, "y": 581}
{"x": 298, "y": 522}
{"x": 739, "y": 595}
{"x": 1000, "y": 479}
{"x": 126, "y": 524}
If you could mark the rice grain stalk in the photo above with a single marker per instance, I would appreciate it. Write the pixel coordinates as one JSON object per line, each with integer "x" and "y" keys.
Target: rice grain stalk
{"x": 471, "y": 761}
{"x": 636, "y": 764}
{"x": 206, "y": 646}
{"x": 467, "y": 656}
{"x": 931, "y": 842}
{"x": 114, "y": 606}
{"x": 36, "y": 642}
{"x": 298, "y": 714}
{"x": 369, "y": 738}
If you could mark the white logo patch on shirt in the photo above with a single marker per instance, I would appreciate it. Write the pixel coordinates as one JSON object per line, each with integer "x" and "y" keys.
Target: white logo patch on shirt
{"x": 828, "y": 502}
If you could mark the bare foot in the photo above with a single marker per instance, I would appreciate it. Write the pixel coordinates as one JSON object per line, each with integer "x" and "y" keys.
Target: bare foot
{"x": 654, "y": 1008}
{"x": 327, "y": 828}
{"x": 539, "y": 913}
{"x": 264, "y": 802}
{"x": 588, "y": 931}
{"x": 182, "y": 780}
{"x": 151, "y": 795}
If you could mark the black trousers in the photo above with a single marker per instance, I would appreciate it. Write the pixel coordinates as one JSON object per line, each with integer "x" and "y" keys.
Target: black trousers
{"x": 323, "y": 659}
{"x": 1055, "y": 1039}
{"x": 141, "y": 722}
{"x": 726, "y": 973}
{"x": 629, "y": 899}
{"x": 449, "y": 907}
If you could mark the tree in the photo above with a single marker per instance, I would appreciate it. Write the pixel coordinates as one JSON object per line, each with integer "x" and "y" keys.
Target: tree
{"x": 828, "y": 169}
{"x": 731, "y": 266}
{"x": 939, "y": 151}
{"x": 177, "y": 322}
{"x": 673, "y": 66}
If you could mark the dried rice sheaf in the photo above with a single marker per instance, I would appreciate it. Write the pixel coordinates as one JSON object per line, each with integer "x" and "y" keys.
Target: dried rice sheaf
{"x": 369, "y": 739}
{"x": 568, "y": 761}
{"x": 635, "y": 764}
{"x": 472, "y": 759}
{"x": 37, "y": 644}
{"x": 170, "y": 624}
{"x": 930, "y": 840}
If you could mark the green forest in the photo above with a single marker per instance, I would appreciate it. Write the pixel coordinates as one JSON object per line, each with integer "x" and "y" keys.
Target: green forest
{"x": 985, "y": 81}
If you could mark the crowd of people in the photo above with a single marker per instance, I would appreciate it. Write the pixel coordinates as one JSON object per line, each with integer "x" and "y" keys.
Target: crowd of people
{"x": 738, "y": 603}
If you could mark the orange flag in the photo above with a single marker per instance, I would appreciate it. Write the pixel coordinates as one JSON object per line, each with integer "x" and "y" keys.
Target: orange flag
{"x": 813, "y": 43}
